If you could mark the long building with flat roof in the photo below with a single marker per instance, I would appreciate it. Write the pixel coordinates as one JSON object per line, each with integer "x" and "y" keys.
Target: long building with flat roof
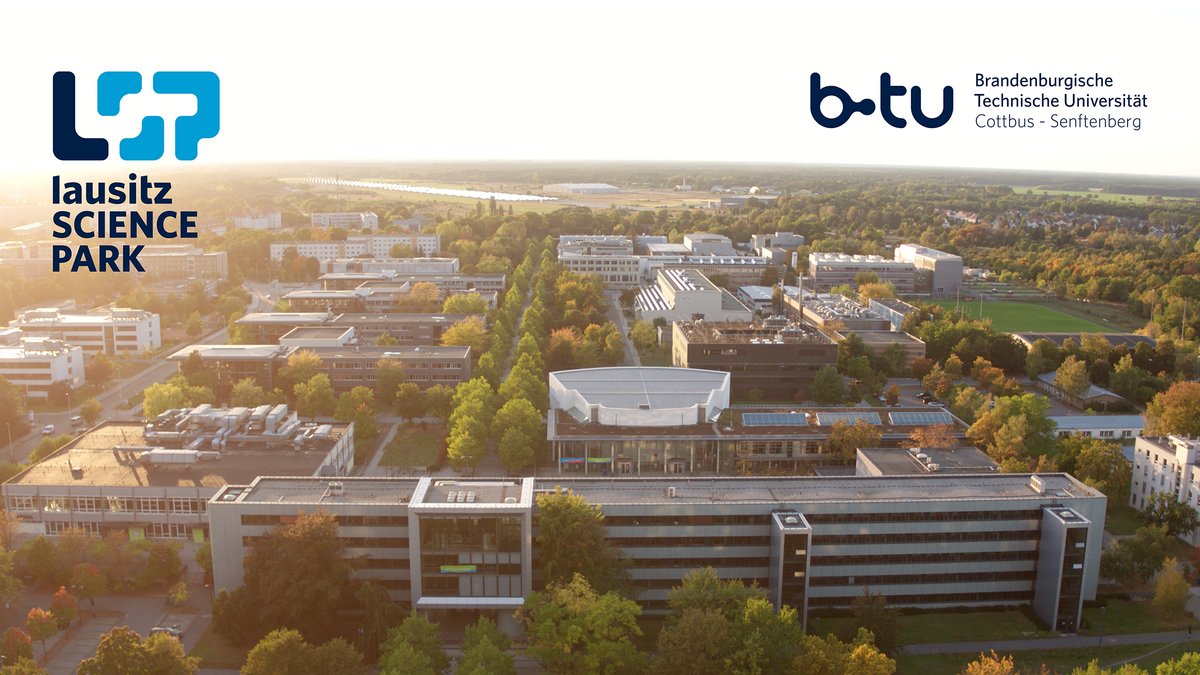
{"x": 155, "y": 479}
{"x": 815, "y": 544}
{"x": 826, "y": 270}
{"x": 112, "y": 331}
{"x": 650, "y": 421}
{"x": 407, "y": 329}
{"x": 937, "y": 273}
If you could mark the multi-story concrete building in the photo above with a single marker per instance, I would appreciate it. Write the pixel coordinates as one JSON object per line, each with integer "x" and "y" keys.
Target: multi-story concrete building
{"x": 677, "y": 422}
{"x": 922, "y": 461}
{"x": 34, "y": 365}
{"x": 113, "y": 331}
{"x": 447, "y": 283}
{"x": 895, "y": 311}
{"x": 738, "y": 270}
{"x": 815, "y": 544}
{"x": 161, "y": 261}
{"x": 1123, "y": 428}
{"x": 373, "y": 245}
{"x": 155, "y": 479}
{"x": 264, "y": 221}
{"x": 595, "y": 244}
{"x": 1167, "y": 464}
{"x": 826, "y": 270}
{"x": 834, "y": 312}
{"x": 685, "y": 295}
{"x": 879, "y": 342}
{"x": 347, "y": 366}
{"x": 937, "y": 273}
{"x": 394, "y": 268}
{"x": 704, "y": 243}
{"x": 771, "y": 359}
{"x": 617, "y": 271}
{"x": 787, "y": 240}
{"x": 407, "y": 329}
{"x": 346, "y": 221}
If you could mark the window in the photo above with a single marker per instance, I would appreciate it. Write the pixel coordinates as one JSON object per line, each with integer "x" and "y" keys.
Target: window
{"x": 87, "y": 504}
{"x": 22, "y": 503}
{"x": 150, "y": 505}
{"x": 183, "y": 505}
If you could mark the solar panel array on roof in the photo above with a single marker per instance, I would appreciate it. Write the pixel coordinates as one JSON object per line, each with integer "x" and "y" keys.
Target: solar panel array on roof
{"x": 774, "y": 420}
{"x": 828, "y": 418}
{"x": 921, "y": 418}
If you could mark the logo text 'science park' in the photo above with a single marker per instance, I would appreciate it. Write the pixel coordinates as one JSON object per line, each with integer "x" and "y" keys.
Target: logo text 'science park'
{"x": 111, "y": 88}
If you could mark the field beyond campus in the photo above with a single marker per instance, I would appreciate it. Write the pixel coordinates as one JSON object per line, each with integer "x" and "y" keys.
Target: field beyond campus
{"x": 1023, "y": 317}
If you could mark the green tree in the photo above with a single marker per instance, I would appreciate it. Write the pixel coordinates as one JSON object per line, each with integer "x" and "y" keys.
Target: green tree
{"x": 1033, "y": 436}
{"x": 845, "y": 439}
{"x": 302, "y": 365}
{"x": 379, "y": 615}
{"x": 247, "y": 393}
{"x": 160, "y": 397}
{"x": 767, "y": 641}
{"x": 1165, "y": 510}
{"x": 570, "y": 628}
{"x": 702, "y": 589}
{"x": 831, "y": 656}
{"x": 695, "y": 642}
{"x": 484, "y": 650}
{"x": 465, "y": 303}
{"x": 1147, "y": 548}
{"x": 89, "y": 582}
{"x": 296, "y": 576}
{"x": 351, "y": 402}
{"x": 470, "y": 332}
{"x": 195, "y": 325}
{"x": 871, "y": 612}
{"x": 465, "y": 448}
{"x": 1102, "y": 465}
{"x": 90, "y": 411}
{"x": 100, "y": 369}
{"x": 643, "y": 334}
{"x": 123, "y": 652}
{"x": 409, "y": 401}
{"x": 991, "y": 664}
{"x": 1043, "y": 357}
{"x": 40, "y": 625}
{"x": 404, "y": 659}
{"x": 571, "y": 540}
{"x": 1116, "y": 563}
{"x": 1187, "y": 664}
{"x": 829, "y": 386}
{"x": 389, "y": 375}
{"x": 1072, "y": 377}
{"x": 1171, "y": 590}
{"x": 286, "y": 652}
{"x": 1175, "y": 411}
{"x": 515, "y": 449}
{"x": 438, "y": 401}
{"x": 421, "y": 636}
{"x": 314, "y": 397}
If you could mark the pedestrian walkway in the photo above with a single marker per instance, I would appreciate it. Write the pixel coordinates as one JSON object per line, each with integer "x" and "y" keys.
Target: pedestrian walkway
{"x": 1062, "y": 642}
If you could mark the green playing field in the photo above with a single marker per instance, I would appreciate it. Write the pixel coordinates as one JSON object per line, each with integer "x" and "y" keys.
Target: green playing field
{"x": 1021, "y": 317}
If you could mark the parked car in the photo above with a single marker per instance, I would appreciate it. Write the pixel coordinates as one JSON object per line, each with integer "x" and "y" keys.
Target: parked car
{"x": 173, "y": 630}
{"x": 77, "y": 421}
{"x": 48, "y": 430}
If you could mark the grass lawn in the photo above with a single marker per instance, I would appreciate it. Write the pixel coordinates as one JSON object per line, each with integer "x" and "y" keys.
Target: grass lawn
{"x": 1058, "y": 660}
{"x": 414, "y": 446}
{"x": 1124, "y": 616}
{"x": 215, "y": 652}
{"x": 1123, "y": 519}
{"x": 655, "y": 357}
{"x": 955, "y": 627}
{"x": 1021, "y": 317}
{"x": 1102, "y": 196}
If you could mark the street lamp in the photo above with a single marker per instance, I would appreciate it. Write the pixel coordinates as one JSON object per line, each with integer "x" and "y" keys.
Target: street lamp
{"x": 1103, "y": 613}
{"x": 8, "y": 425}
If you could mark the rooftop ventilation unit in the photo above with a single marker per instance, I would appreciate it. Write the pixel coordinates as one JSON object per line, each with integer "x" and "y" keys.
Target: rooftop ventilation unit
{"x": 337, "y": 488}
{"x": 671, "y": 492}
{"x": 450, "y": 496}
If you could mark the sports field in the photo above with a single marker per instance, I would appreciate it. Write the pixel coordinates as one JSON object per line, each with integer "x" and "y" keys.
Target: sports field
{"x": 1021, "y": 317}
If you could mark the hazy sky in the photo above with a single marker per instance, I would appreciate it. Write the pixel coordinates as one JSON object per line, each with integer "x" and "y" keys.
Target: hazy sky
{"x": 613, "y": 80}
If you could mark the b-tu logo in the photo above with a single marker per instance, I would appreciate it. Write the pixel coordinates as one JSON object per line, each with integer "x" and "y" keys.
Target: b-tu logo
{"x": 111, "y": 88}
{"x": 887, "y": 90}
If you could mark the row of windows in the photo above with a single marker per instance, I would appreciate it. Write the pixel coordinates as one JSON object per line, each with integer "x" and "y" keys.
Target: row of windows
{"x": 650, "y": 584}
{"x": 930, "y": 598}
{"x": 918, "y": 558}
{"x": 351, "y": 542}
{"x": 635, "y": 542}
{"x": 690, "y": 563}
{"x": 391, "y": 521}
{"x": 922, "y": 537}
{"x": 922, "y": 516}
{"x": 63, "y": 504}
{"x": 943, "y": 578}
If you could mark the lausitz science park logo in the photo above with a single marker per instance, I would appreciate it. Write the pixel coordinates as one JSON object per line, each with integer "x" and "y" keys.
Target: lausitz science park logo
{"x": 111, "y": 88}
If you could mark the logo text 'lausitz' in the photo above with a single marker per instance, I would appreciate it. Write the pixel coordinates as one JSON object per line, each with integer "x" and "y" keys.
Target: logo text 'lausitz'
{"x": 818, "y": 94}
{"x": 111, "y": 87}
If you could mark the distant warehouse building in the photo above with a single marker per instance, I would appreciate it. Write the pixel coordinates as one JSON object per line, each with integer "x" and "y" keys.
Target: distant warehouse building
{"x": 683, "y": 295}
{"x": 772, "y": 359}
{"x": 937, "y": 273}
{"x": 580, "y": 189}
{"x": 347, "y": 221}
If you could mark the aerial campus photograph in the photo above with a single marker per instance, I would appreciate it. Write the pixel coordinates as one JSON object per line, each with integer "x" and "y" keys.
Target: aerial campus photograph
{"x": 574, "y": 344}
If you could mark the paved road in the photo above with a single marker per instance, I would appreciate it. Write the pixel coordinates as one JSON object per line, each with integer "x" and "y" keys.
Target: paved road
{"x": 618, "y": 317}
{"x": 1063, "y": 642}
{"x": 119, "y": 392}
